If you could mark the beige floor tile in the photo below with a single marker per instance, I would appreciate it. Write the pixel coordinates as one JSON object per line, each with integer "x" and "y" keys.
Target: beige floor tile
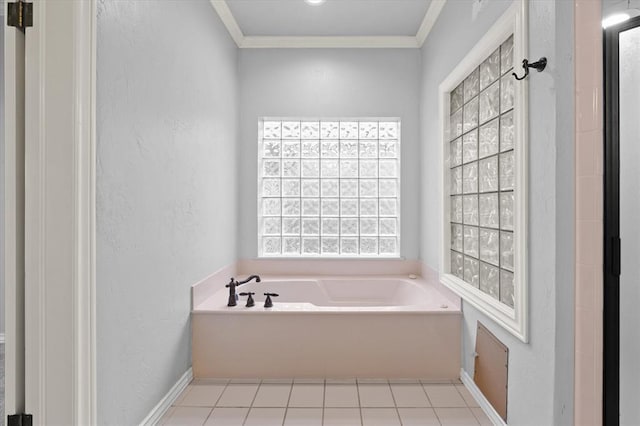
{"x": 466, "y": 395}
{"x": 444, "y": 396}
{"x": 272, "y": 395}
{"x": 456, "y": 417}
{"x": 238, "y": 395}
{"x": 227, "y": 417}
{"x": 380, "y": 417}
{"x": 481, "y": 416}
{"x": 375, "y": 395}
{"x": 307, "y": 395}
{"x": 246, "y": 381}
{"x": 347, "y": 381}
{"x": 188, "y": 416}
{"x": 201, "y": 395}
{"x": 409, "y": 395}
{"x": 377, "y": 381}
{"x": 265, "y": 417}
{"x": 418, "y": 417}
{"x": 303, "y": 417}
{"x": 342, "y": 417}
{"x": 308, "y": 381}
{"x": 403, "y": 381}
{"x": 341, "y": 395}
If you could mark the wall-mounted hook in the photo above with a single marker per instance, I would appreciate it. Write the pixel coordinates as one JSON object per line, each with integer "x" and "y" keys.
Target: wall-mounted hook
{"x": 539, "y": 65}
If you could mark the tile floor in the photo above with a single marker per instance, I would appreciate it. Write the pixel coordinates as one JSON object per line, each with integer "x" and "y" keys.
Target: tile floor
{"x": 324, "y": 402}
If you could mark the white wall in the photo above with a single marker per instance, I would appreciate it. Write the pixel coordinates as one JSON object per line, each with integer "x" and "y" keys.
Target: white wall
{"x": 166, "y": 189}
{"x": 329, "y": 83}
{"x": 541, "y": 372}
{"x": 2, "y": 168}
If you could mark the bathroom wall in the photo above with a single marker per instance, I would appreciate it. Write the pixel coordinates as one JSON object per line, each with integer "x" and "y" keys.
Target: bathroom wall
{"x": 329, "y": 83}
{"x": 540, "y": 372}
{"x": 2, "y": 311}
{"x": 166, "y": 189}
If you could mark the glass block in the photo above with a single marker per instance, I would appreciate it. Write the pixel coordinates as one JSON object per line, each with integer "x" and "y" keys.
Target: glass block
{"x": 311, "y": 207}
{"x": 470, "y": 147}
{"x": 330, "y": 130}
{"x": 507, "y": 172}
{"x": 311, "y": 188}
{"x": 506, "y": 55}
{"x": 271, "y": 226}
{"x": 329, "y": 168}
{"x": 349, "y": 245}
{"x": 291, "y": 149}
{"x": 271, "y": 207}
{"x": 470, "y": 210}
{"x": 368, "y": 130}
{"x": 349, "y": 168}
{"x": 291, "y": 168}
{"x": 489, "y": 209}
{"x": 506, "y": 210}
{"x": 470, "y": 178}
{"x": 490, "y": 69}
{"x": 348, "y": 207}
{"x": 291, "y": 245}
{"x": 310, "y": 246}
{"x": 348, "y": 130}
{"x": 271, "y": 130}
{"x": 330, "y": 246}
{"x": 388, "y": 168}
{"x": 506, "y": 93}
{"x": 457, "y": 265}
{"x": 271, "y": 149}
{"x": 489, "y": 281}
{"x": 455, "y": 153}
{"x": 270, "y": 187}
{"x": 290, "y": 207}
{"x": 368, "y": 226}
{"x": 388, "y": 226}
{"x": 368, "y": 246}
{"x": 489, "y": 246}
{"x": 290, "y": 130}
{"x": 349, "y": 226}
{"x": 388, "y": 149}
{"x": 506, "y": 131}
{"x": 310, "y": 226}
{"x": 506, "y": 288}
{"x": 455, "y": 125}
{"x": 329, "y": 188}
{"x": 368, "y": 187}
{"x": 388, "y": 188}
{"x": 472, "y": 271}
{"x": 310, "y": 130}
{"x": 290, "y": 226}
{"x": 388, "y": 246}
{"x": 456, "y": 237}
{"x": 488, "y": 143}
{"x": 489, "y": 174}
{"x": 456, "y": 99}
{"x": 310, "y": 168}
{"x": 456, "y": 209}
{"x": 349, "y": 149}
{"x": 489, "y": 103}
{"x": 388, "y": 207}
{"x": 310, "y": 149}
{"x": 329, "y": 206}
{"x": 368, "y": 149}
{"x": 470, "y": 240}
{"x": 330, "y": 149}
{"x": 349, "y": 188}
{"x": 456, "y": 181}
{"x": 470, "y": 116}
{"x": 388, "y": 130}
{"x": 506, "y": 250}
{"x": 271, "y": 245}
{"x": 472, "y": 85}
{"x": 271, "y": 168}
{"x": 369, "y": 207}
{"x": 368, "y": 168}
{"x": 330, "y": 226}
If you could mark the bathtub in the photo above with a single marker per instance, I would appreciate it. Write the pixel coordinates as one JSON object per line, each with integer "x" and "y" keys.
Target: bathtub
{"x": 337, "y": 327}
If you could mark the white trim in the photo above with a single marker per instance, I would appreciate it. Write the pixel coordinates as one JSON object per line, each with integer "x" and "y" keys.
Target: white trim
{"x": 1, "y": 338}
{"x": 483, "y": 402}
{"x": 165, "y": 403}
{"x": 229, "y": 21}
{"x": 429, "y": 21}
{"x": 513, "y": 21}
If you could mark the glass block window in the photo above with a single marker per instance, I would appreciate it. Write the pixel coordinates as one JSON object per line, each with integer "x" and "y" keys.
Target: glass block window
{"x": 329, "y": 188}
{"x": 481, "y": 161}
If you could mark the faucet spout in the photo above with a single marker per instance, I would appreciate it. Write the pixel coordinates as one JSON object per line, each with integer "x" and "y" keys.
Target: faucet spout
{"x": 256, "y": 277}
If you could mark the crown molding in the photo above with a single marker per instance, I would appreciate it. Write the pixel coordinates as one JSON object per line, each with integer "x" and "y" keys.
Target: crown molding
{"x": 306, "y": 42}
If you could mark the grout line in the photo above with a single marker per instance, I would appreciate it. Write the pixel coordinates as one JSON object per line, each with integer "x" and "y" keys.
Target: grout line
{"x": 395, "y": 404}
{"x": 286, "y": 409}
{"x": 252, "y": 401}
{"x": 359, "y": 402}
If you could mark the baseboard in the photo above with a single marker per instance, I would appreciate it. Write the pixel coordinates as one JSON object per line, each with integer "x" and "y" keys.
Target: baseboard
{"x": 480, "y": 399}
{"x": 1, "y": 338}
{"x": 165, "y": 403}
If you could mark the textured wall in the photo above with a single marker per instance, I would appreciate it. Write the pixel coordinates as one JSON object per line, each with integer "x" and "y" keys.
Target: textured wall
{"x": 166, "y": 182}
{"x": 540, "y": 372}
{"x": 329, "y": 83}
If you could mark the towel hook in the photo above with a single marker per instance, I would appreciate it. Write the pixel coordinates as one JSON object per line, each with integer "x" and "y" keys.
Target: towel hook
{"x": 540, "y": 65}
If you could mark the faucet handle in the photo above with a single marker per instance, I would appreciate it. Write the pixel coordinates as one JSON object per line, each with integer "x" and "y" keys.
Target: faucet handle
{"x": 250, "y": 301}
{"x": 268, "y": 303}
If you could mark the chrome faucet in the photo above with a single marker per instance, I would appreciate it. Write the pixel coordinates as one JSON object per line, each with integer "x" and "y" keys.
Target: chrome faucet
{"x": 232, "y": 288}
